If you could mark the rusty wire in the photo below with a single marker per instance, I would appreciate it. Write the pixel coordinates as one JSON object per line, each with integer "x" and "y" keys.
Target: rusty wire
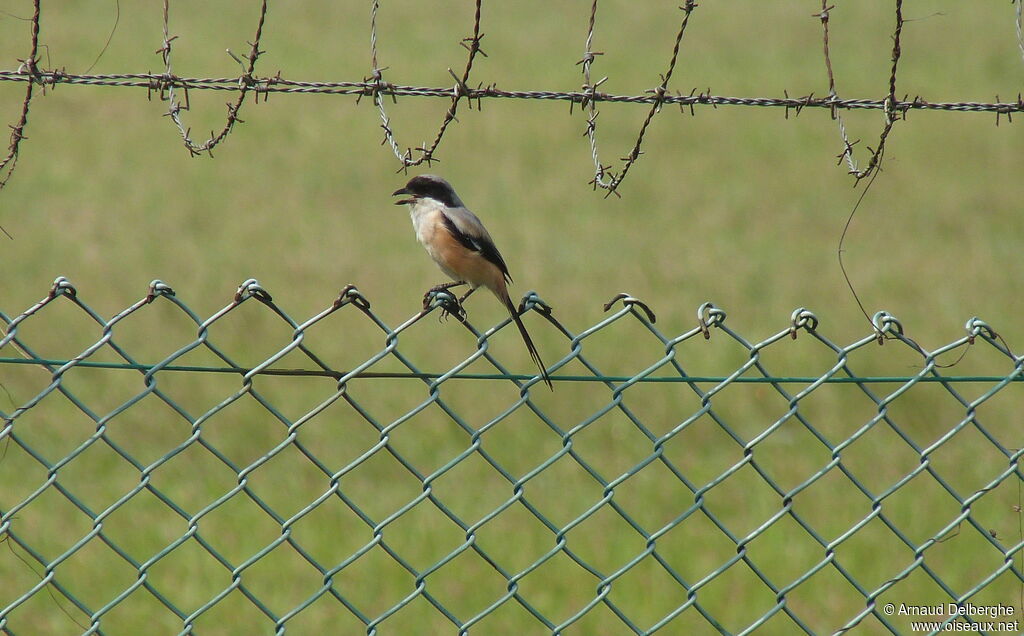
{"x": 245, "y": 82}
{"x": 659, "y": 93}
{"x": 275, "y": 84}
{"x": 380, "y": 87}
{"x": 18, "y": 130}
{"x": 167, "y": 84}
{"x": 890, "y": 111}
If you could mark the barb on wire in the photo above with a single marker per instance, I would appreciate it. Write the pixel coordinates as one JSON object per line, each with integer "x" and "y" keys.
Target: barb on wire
{"x": 890, "y": 106}
{"x": 611, "y": 183}
{"x": 589, "y": 103}
{"x": 377, "y": 87}
{"x": 18, "y": 130}
{"x": 156, "y": 81}
{"x": 377, "y": 75}
{"x": 847, "y": 153}
{"x": 245, "y": 82}
{"x": 167, "y": 85}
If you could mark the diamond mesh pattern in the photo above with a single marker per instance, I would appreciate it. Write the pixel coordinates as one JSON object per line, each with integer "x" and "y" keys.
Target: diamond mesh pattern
{"x": 324, "y": 482}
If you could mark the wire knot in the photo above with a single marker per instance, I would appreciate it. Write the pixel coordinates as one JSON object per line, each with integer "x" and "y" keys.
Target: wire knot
{"x": 977, "y": 327}
{"x": 532, "y": 302}
{"x": 252, "y": 288}
{"x": 158, "y": 288}
{"x": 374, "y": 85}
{"x": 350, "y": 295}
{"x": 886, "y": 323}
{"x": 802, "y": 318}
{"x": 709, "y": 316}
{"x": 62, "y": 287}
{"x": 632, "y": 303}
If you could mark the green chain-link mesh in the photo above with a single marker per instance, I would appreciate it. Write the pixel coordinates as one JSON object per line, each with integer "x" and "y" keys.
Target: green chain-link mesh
{"x": 209, "y": 491}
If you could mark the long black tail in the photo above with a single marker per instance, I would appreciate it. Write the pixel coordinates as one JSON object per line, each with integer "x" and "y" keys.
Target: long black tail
{"x": 529, "y": 341}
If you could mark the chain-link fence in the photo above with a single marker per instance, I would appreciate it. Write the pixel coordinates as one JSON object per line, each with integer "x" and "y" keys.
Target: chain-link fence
{"x": 247, "y": 473}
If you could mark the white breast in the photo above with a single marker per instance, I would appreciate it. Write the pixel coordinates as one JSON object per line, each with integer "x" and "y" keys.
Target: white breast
{"x": 427, "y": 221}
{"x": 425, "y": 217}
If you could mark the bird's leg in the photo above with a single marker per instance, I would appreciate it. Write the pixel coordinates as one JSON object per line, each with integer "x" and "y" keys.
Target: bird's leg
{"x": 463, "y": 298}
{"x": 437, "y": 288}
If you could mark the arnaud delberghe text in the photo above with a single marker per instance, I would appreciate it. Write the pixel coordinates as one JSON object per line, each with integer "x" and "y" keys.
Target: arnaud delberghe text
{"x": 952, "y": 609}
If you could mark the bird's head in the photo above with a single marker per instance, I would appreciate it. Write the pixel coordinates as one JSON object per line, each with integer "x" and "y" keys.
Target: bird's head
{"x": 428, "y": 186}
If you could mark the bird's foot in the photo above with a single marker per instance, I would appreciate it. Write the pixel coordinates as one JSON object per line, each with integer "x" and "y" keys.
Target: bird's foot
{"x": 447, "y": 310}
{"x": 450, "y": 305}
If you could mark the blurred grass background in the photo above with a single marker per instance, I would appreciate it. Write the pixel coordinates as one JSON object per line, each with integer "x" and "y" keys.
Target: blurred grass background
{"x": 738, "y": 206}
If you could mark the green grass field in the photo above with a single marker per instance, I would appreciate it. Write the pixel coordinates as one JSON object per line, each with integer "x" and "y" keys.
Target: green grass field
{"x": 738, "y": 206}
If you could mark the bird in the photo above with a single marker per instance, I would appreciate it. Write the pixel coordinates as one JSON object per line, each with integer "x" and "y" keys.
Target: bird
{"x": 461, "y": 246}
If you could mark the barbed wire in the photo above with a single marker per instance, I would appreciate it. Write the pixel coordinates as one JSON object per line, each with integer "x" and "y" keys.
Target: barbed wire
{"x": 601, "y": 171}
{"x": 18, "y": 130}
{"x": 156, "y": 81}
{"x": 472, "y": 44}
{"x": 167, "y": 84}
{"x": 890, "y": 119}
{"x": 245, "y": 81}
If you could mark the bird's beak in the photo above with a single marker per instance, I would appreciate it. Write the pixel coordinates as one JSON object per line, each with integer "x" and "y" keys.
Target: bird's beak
{"x": 402, "y": 201}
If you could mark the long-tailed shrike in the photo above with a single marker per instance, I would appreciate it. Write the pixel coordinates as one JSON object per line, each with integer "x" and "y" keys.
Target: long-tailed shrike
{"x": 460, "y": 245}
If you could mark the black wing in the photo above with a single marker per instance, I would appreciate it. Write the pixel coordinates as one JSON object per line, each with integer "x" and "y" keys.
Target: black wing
{"x": 482, "y": 245}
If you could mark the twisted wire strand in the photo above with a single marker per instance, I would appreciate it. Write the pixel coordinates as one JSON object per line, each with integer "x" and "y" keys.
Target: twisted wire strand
{"x": 169, "y": 86}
